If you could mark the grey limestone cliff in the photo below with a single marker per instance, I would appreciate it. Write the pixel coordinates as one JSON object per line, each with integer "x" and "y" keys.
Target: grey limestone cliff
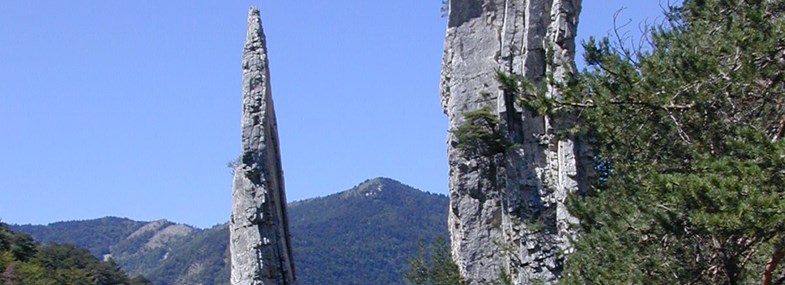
{"x": 259, "y": 232}
{"x": 507, "y": 210}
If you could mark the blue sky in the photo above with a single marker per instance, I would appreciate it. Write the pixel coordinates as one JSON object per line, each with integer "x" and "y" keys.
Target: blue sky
{"x": 131, "y": 108}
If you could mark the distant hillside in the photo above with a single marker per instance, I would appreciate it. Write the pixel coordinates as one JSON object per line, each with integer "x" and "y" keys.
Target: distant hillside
{"x": 23, "y": 261}
{"x": 142, "y": 248}
{"x": 94, "y": 235}
{"x": 364, "y": 235}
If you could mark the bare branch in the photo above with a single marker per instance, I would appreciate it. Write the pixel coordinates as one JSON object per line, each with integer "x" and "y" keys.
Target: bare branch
{"x": 780, "y": 130}
{"x": 622, "y": 38}
{"x": 682, "y": 134}
{"x": 591, "y": 104}
{"x": 773, "y": 262}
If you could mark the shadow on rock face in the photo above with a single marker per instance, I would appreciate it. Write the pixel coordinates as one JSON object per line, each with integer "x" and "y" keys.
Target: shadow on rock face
{"x": 461, "y": 11}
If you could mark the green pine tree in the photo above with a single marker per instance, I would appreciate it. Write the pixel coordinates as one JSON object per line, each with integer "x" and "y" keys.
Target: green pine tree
{"x": 438, "y": 268}
{"x": 687, "y": 136}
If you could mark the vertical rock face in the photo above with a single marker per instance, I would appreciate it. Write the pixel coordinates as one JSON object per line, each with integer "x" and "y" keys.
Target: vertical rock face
{"x": 259, "y": 230}
{"x": 507, "y": 210}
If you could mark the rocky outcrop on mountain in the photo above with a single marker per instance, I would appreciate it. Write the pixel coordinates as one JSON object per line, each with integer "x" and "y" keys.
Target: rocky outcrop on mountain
{"x": 259, "y": 232}
{"x": 507, "y": 208}
{"x": 151, "y": 242}
{"x": 140, "y": 248}
{"x": 161, "y": 233}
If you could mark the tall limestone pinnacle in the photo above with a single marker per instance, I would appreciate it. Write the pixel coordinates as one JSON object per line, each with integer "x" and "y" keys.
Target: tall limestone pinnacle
{"x": 259, "y": 232}
{"x": 507, "y": 210}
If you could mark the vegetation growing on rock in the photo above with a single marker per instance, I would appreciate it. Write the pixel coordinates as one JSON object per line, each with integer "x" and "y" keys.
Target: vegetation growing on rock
{"x": 480, "y": 135}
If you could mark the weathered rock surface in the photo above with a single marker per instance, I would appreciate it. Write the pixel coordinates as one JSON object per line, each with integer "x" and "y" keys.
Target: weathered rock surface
{"x": 507, "y": 211}
{"x": 163, "y": 232}
{"x": 259, "y": 232}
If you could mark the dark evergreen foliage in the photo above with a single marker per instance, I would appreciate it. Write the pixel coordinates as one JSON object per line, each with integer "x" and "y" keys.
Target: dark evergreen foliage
{"x": 480, "y": 135}
{"x": 436, "y": 268}
{"x": 687, "y": 136}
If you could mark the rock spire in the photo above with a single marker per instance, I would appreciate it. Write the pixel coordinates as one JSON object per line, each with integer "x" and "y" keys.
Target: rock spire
{"x": 259, "y": 232}
{"x": 507, "y": 210}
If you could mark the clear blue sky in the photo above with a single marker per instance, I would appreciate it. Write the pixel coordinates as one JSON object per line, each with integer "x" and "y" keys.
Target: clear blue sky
{"x": 131, "y": 108}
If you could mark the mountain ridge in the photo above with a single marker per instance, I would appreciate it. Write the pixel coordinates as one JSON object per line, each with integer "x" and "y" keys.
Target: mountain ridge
{"x": 379, "y": 222}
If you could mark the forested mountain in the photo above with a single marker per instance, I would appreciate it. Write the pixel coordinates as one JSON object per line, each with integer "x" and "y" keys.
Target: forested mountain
{"x": 364, "y": 235}
{"x": 23, "y": 261}
{"x": 94, "y": 235}
{"x": 138, "y": 247}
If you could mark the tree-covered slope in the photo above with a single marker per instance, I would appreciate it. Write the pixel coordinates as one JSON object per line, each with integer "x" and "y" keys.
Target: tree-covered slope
{"x": 138, "y": 247}
{"x": 95, "y": 235}
{"x": 364, "y": 235}
{"x": 23, "y": 261}
{"x": 199, "y": 258}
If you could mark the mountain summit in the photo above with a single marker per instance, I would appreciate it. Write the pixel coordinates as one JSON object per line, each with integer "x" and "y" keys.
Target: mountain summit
{"x": 374, "y": 188}
{"x": 364, "y": 235}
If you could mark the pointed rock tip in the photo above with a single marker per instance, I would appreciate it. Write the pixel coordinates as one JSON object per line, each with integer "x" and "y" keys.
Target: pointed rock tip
{"x": 254, "y": 18}
{"x": 253, "y": 11}
{"x": 255, "y": 31}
